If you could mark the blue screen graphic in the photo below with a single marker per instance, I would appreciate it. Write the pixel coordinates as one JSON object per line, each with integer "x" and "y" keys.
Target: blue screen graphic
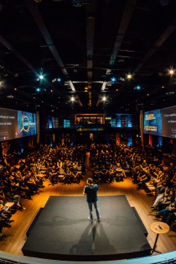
{"x": 16, "y": 124}
{"x": 26, "y": 124}
{"x": 153, "y": 122}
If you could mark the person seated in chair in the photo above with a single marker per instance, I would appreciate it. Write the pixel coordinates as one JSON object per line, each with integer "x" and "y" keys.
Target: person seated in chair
{"x": 168, "y": 213}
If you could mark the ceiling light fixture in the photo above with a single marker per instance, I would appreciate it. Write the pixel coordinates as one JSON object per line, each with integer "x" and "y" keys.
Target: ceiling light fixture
{"x": 171, "y": 71}
{"x": 59, "y": 79}
{"x": 104, "y": 98}
{"x": 129, "y": 76}
{"x": 113, "y": 79}
{"x": 41, "y": 77}
{"x": 138, "y": 87}
{"x": 72, "y": 99}
{"x": 38, "y": 89}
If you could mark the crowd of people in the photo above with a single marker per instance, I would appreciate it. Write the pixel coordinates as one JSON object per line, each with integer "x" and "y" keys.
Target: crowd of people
{"x": 66, "y": 164}
{"x": 107, "y": 164}
{"x": 149, "y": 171}
{"x": 156, "y": 176}
{"x": 27, "y": 176}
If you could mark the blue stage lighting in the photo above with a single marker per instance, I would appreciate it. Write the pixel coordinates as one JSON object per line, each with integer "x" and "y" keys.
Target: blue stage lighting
{"x": 138, "y": 87}
{"x": 59, "y": 79}
{"x": 41, "y": 77}
{"x": 38, "y": 90}
{"x": 113, "y": 79}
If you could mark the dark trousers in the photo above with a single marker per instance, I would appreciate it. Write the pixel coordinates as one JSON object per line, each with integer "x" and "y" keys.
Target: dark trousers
{"x": 96, "y": 210}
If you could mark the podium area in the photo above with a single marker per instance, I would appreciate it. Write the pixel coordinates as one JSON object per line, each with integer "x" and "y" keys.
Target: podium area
{"x": 15, "y": 237}
{"x": 62, "y": 231}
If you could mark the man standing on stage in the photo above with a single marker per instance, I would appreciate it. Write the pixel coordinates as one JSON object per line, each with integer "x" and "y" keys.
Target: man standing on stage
{"x": 91, "y": 191}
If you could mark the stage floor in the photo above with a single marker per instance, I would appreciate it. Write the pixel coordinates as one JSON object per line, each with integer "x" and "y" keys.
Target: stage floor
{"x": 63, "y": 231}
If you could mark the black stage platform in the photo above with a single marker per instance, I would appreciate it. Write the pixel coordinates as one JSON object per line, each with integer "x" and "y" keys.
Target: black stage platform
{"x": 63, "y": 231}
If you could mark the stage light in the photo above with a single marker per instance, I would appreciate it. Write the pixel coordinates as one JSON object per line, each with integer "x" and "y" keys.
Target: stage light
{"x": 41, "y": 77}
{"x": 58, "y": 79}
{"x": 171, "y": 71}
{"x": 104, "y": 99}
{"x": 129, "y": 76}
{"x": 38, "y": 89}
{"x": 72, "y": 99}
{"x": 138, "y": 87}
{"x": 113, "y": 79}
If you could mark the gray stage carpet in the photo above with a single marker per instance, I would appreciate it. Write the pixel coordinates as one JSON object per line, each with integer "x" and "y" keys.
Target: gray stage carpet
{"x": 63, "y": 231}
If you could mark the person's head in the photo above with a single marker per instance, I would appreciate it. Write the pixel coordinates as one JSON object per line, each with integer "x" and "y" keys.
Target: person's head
{"x": 89, "y": 181}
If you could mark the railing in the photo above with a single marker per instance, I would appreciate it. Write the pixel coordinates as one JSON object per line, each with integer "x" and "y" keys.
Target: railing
{"x": 165, "y": 258}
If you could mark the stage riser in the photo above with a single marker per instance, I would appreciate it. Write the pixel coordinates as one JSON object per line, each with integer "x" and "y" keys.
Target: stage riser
{"x": 61, "y": 231}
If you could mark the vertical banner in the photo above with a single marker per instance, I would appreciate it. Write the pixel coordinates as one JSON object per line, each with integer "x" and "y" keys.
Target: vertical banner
{"x": 117, "y": 138}
{"x": 150, "y": 140}
{"x": 38, "y": 127}
{"x": 141, "y": 125}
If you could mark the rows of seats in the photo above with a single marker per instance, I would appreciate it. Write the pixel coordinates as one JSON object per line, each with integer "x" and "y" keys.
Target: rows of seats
{"x": 27, "y": 176}
{"x": 148, "y": 171}
{"x": 107, "y": 164}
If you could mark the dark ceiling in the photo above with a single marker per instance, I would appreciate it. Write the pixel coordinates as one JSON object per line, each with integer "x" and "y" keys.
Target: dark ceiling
{"x": 85, "y": 43}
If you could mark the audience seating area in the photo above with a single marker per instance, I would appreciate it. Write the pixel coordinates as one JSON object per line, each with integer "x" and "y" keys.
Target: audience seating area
{"x": 149, "y": 172}
{"x": 66, "y": 164}
{"x": 27, "y": 176}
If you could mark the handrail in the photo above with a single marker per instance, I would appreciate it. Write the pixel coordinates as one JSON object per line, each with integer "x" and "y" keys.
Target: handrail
{"x": 156, "y": 259}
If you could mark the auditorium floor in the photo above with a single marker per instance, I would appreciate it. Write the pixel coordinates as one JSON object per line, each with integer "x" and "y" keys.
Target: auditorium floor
{"x": 15, "y": 236}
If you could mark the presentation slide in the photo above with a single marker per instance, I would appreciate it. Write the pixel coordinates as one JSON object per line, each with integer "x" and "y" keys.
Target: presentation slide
{"x": 169, "y": 122}
{"x": 153, "y": 122}
{"x": 16, "y": 124}
{"x": 26, "y": 124}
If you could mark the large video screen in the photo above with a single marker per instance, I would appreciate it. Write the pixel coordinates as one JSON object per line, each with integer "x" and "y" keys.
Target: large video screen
{"x": 169, "y": 122}
{"x": 16, "y": 124}
{"x": 153, "y": 122}
{"x": 161, "y": 122}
